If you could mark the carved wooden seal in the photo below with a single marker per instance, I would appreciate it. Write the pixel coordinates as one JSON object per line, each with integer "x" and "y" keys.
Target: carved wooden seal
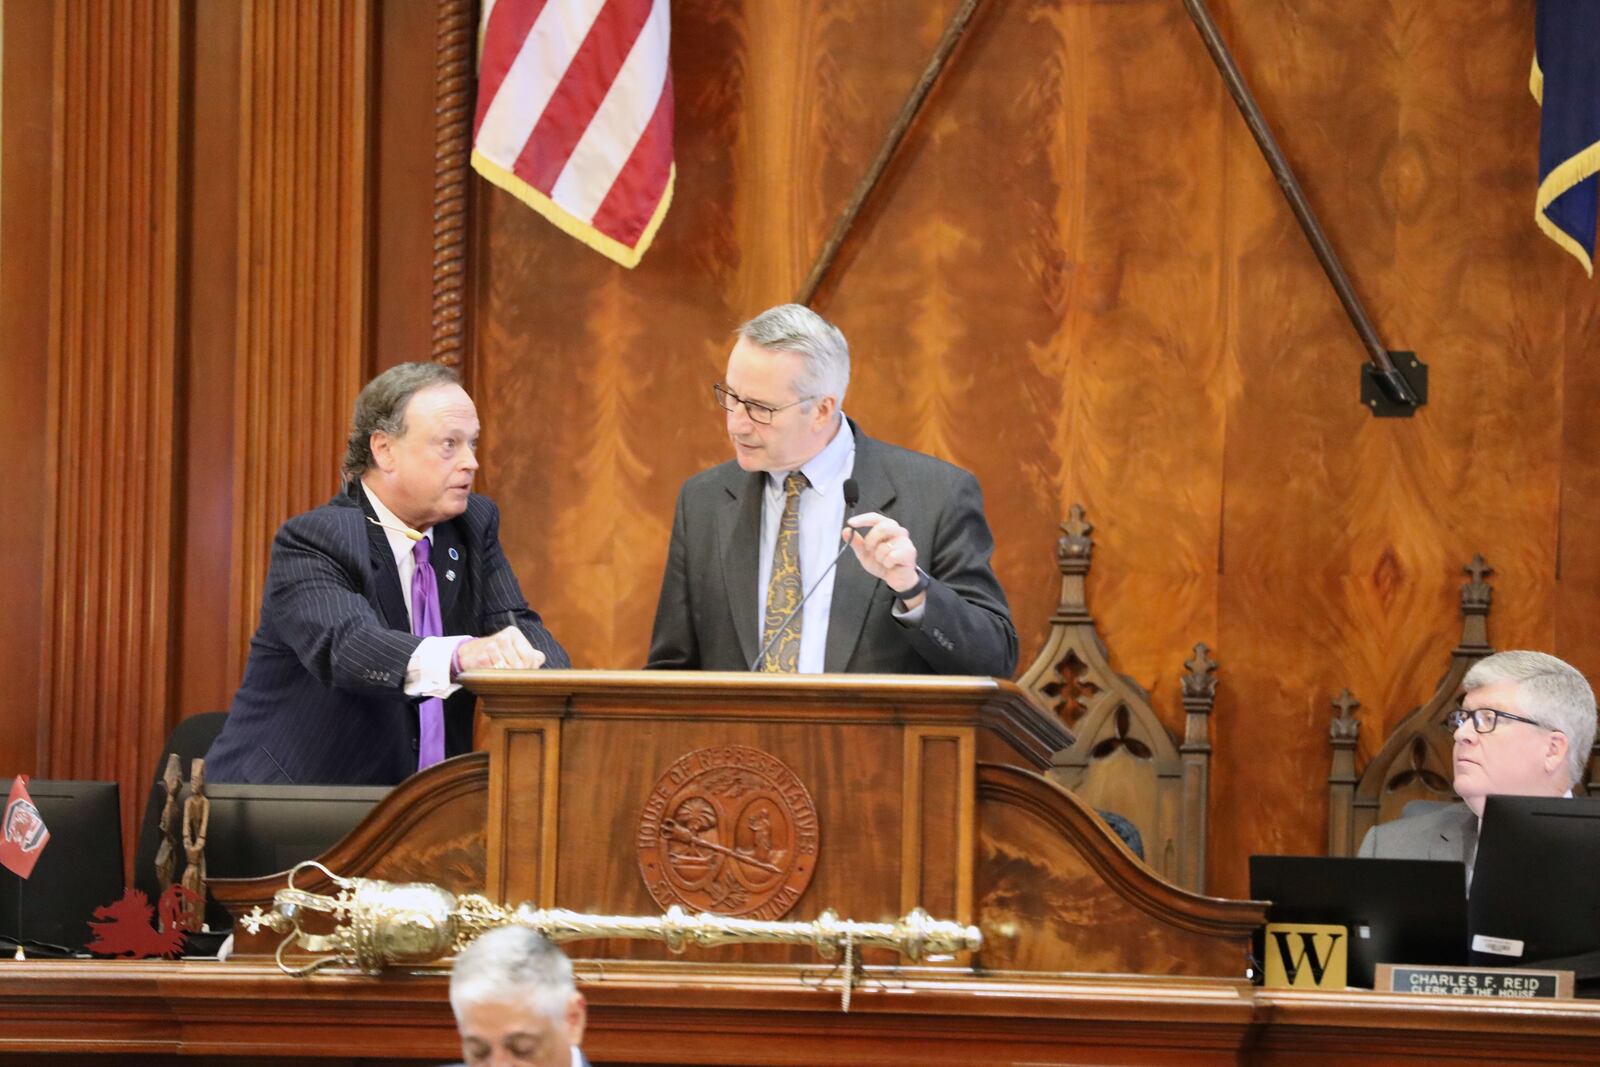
{"x": 729, "y": 830}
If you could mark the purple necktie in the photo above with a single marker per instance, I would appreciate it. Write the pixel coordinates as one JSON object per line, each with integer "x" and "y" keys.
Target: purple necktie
{"x": 425, "y": 622}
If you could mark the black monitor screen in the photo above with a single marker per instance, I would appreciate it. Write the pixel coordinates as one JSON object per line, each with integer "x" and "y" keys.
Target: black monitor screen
{"x": 1535, "y": 895}
{"x": 1397, "y": 911}
{"x": 79, "y": 869}
{"x": 257, "y": 830}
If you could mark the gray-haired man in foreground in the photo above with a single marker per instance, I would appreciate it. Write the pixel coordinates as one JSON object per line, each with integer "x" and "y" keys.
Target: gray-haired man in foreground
{"x": 1524, "y": 728}
{"x": 516, "y": 1003}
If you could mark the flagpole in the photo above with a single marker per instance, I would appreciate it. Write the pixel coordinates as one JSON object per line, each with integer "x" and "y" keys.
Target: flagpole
{"x": 19, "y": 954}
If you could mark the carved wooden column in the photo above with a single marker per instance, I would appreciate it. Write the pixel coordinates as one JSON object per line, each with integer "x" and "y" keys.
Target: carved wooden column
{"x": 303, "y": 207}
{"x": 112, "y": 354}
{"x": 454, "y": 88}
{"x": 1199, "y": 687}
{"x": 1343, "y": 733}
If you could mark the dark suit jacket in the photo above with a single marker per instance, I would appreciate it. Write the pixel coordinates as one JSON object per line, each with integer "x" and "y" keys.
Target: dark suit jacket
{"x": 323, "y": 697}
{"x": 706, "y": 617}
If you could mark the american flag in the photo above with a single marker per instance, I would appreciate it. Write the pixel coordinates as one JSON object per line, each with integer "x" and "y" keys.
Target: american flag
{"x": 575, "y": 115}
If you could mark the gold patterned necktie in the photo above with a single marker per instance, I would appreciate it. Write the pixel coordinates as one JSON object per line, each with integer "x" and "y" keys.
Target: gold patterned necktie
{"x": 783, "y": 587}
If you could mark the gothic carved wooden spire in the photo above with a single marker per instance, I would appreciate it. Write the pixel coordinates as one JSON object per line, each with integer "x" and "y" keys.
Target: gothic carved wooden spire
{"x": 1124, "y": 758}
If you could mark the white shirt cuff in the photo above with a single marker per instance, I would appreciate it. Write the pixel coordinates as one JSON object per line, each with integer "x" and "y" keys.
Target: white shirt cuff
{"x": 909, "y": 616}
{"x": 428, "y": 671}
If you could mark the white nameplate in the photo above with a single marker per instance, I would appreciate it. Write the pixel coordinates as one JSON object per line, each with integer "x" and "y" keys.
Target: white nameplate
{"x": 1496, "y": 946}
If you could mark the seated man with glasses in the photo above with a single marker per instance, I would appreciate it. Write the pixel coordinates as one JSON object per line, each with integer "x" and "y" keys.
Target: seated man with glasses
{"x": 1524, "y": 728}
{"x": 752, "y": 535}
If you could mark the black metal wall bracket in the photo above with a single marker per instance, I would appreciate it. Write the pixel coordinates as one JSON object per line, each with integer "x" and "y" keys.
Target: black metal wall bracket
{"x": 1395, "y": 394}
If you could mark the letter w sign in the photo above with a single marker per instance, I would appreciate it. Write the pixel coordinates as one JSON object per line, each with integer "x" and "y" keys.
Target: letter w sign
{"x": 1305, "y": 956}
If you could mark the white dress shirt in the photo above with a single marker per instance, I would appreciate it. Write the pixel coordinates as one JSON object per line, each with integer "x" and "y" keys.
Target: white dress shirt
{"x": 428, "y": 670}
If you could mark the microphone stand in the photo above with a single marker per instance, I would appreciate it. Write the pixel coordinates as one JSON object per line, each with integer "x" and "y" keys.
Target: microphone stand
{"x": 795, "y": 611}
{"x": 852, "y": 495}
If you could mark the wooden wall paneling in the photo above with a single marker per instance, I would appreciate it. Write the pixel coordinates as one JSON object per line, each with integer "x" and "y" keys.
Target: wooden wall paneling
{"x": 303, "y": 271}
{"x": 1032, "y": 304}
{"x": 1367, "y": 518}
{"x": 594, "y": 381}
{"x": 1296, "y": 444}
{"x": 113, "y": 378}
{"x": 1134, "y": 414}
{"x": 1577, "y": 606}
{"x": 1081, "y": 283}
{"x": 25, "y": 323}
{"x": 1464, "y": 290}
{"x": 204, "y": 671}
{"x": 409, "y": 42}
{"x": 926, "y": 284}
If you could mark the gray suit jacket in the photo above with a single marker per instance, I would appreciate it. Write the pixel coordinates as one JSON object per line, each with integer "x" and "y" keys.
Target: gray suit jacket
{"x": 706, "y": 617}
{"x": 1449, "y": 833}
{"x": 323, "y": 697}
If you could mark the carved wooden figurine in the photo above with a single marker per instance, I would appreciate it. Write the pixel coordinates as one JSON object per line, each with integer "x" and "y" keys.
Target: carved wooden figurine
{"x": 196, "y": 817}
{"x": 167, "y": 851}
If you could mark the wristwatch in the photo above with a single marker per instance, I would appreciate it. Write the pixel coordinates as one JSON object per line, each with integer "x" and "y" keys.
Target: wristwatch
{"x": 915, "y": 591}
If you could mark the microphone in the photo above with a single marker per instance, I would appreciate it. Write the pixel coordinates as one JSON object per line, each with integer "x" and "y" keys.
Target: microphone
{"x": 852, "y": 496}
{"x": 408, "y": 531}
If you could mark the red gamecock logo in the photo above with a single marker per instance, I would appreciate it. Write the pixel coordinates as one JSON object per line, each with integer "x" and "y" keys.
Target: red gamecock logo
{"x": 24, "y": 827}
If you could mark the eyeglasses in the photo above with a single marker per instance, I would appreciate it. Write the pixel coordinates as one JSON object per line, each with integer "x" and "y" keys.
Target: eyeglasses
{"x": 1484, "y": 720}
{"x": 728, "y": 400}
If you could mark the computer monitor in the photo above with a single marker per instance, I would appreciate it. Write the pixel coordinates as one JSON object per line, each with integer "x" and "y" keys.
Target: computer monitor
{"x": 257, "y": 830}
{"x": 1397, "y": 911}
{"x": 80, "y": 868}
{"x": 1535, "y": 895}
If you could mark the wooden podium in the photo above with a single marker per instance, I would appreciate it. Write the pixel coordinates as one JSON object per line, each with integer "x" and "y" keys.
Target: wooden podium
{"x": 766, "y": 796}
{"x": 601, "y": 791}
{"x": 866, "y": 788}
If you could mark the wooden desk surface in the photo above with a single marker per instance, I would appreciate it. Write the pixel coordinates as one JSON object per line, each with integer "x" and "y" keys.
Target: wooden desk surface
{"x": 684, "y": 1013}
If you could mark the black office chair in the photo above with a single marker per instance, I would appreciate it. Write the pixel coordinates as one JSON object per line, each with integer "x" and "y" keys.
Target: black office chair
{"x": 191, "y": 738}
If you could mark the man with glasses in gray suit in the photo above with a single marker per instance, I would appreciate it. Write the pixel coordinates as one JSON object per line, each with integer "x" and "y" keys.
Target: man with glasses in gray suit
{"x": 1524, "y": 728}
{"x": 915, "y": 595}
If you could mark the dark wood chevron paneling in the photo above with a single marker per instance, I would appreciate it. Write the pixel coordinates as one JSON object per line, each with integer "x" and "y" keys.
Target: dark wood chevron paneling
{"x": 1081, "y": 282}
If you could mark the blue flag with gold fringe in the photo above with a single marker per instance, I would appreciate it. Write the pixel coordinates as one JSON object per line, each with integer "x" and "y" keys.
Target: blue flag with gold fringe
{"x": 1566, "y": 83}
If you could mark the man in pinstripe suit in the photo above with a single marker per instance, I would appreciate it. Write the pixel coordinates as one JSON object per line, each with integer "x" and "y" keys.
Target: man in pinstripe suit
{"x": 337, "y": 672}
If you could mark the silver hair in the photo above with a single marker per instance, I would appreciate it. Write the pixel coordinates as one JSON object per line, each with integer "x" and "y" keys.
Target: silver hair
{"x": 381, "y": 408}
{"x": 796, "y": 328}
{"x": 513, "y": 963}
{"x": 1550, "y": 690}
